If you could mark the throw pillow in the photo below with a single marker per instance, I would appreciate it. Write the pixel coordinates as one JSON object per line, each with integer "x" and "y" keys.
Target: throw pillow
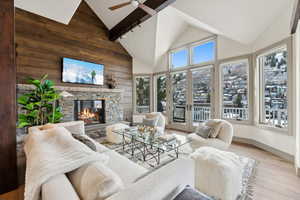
{"x": 189, "y": 193}
{"x": 95, "y": 181}
{"x": 150, "y": 122}
{"x": 88, "y": 142}
{"x": 216, "y": 126}
{"x": 204, "y": 131}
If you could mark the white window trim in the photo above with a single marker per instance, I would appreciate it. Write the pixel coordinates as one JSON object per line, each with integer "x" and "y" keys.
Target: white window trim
{"x": 257, "y": 107}
{"x": 261, "y": 120}
{"x": 190, "y": 47}
{"x": 246, "y": 59}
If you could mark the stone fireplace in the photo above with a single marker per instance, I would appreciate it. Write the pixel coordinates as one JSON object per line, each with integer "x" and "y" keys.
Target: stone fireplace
{"x": 90, "y": 111}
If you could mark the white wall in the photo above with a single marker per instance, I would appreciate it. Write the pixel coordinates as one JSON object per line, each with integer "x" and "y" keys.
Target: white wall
{"x": 139, "y": 67}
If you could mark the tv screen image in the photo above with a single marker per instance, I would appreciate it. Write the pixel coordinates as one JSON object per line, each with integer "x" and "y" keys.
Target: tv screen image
{"x": 77, "y": 71}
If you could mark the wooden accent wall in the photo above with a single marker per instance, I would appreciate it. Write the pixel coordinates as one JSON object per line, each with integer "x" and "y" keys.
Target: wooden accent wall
{"x": 8, "y": 166}
{"x": 42, "y": 43}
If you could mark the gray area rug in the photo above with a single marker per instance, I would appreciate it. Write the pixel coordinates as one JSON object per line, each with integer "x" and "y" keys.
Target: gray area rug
{"x": 249, "y": 165}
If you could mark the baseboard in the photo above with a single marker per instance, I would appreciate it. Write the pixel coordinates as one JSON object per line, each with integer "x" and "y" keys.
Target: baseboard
{"x": 281, "y": 154}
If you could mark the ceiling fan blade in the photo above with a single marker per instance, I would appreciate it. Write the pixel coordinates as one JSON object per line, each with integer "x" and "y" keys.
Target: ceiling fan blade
{"x": 120, "y": 5}
{"x": 147, "y": 9}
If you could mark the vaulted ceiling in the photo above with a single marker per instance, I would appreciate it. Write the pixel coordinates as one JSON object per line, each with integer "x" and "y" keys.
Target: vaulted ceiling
{"x": 243, "y": 21}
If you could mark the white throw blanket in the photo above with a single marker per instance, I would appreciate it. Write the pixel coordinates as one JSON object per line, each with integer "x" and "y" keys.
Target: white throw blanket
{"x": 52, "y": 152}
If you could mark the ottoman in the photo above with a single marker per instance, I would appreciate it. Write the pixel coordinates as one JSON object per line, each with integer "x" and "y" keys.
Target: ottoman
{"x": 113, "y": 137}
{"x": 217, "y": 173}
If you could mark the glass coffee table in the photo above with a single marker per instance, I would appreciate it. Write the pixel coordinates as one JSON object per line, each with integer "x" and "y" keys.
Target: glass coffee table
{"x": 146, "y": 147}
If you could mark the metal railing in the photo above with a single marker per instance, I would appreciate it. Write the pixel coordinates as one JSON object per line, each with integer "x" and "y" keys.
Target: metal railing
{"x": 201, "y": 113}
{"x": 235, "y": 113}
{"x": 277, "y": 117}
{"x": 142, "y": 109}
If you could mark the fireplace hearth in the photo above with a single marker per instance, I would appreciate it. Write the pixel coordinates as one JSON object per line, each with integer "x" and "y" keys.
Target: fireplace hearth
{"x": 90, "y": 111}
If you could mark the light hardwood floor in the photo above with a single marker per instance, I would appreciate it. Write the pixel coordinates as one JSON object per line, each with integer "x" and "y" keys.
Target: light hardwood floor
{"x": 276, "y": 178}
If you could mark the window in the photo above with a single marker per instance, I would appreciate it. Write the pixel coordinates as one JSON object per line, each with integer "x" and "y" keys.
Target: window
{"x": 161, "y": 92}
{"x": 274, "y": 86}
{"x": 202, "y": 91}
{"x": 179, "y": 58}
{"x": 142, "y": 84}
{"x": 204, "y": 53}
{"x": 235, "y": 90}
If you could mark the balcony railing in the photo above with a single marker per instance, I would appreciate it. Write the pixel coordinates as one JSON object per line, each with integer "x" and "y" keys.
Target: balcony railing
{"x": 143, "y": 109}
{"x": 201, "y": 113}
{"x": 277, "y": 117}
{"x": 235, "y": 113}
{"x": 273, "y": 117}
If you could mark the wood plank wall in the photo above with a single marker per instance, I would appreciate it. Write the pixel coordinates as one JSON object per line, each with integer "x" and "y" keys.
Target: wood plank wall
{"x": 8, "y": 166}
{"x": 42, "y": 43}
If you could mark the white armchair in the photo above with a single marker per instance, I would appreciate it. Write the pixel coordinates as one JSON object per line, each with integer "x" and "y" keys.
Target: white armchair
{"x": 222, "y": 141}
{"x": 161, "y": 121}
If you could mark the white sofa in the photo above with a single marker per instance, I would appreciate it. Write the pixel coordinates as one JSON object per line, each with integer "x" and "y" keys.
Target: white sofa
{"x": 152, "y": 186}
{"x": 222, "y": 141}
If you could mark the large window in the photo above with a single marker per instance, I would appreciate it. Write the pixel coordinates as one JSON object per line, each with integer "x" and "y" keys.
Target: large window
{"x": 204, "y": 53}
{"x": 161, "y": 92}
{"x": 274, "y": 86}
{"x": 142, "y": 85}
{"x": 235, "y": 90}
{"x": 180, "y": 58}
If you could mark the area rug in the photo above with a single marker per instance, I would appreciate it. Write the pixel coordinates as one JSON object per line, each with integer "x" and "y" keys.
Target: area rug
{"x": 249, "y": 166}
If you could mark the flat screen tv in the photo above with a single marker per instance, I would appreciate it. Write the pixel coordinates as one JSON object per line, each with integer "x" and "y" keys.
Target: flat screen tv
{"x": 77, "y": 71}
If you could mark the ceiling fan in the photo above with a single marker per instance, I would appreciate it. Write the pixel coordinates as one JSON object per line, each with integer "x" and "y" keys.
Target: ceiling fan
{"x": 136, "y": 4}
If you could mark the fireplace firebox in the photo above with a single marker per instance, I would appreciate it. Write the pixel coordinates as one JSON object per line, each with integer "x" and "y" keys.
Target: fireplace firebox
{"x": 90, "y": 111}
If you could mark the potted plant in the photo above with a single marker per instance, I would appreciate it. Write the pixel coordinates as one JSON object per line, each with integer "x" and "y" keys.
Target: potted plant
{"x": 40, "y": 105}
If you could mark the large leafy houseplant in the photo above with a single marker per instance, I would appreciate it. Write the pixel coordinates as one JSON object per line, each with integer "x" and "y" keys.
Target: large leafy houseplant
{"x": 40, "y": 105}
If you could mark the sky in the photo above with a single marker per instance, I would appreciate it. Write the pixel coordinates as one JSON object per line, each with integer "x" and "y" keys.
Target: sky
{"x": 202, "y": 53}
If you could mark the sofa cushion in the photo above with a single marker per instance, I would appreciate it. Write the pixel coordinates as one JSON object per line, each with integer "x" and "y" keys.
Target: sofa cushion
{"x": 127, "y": 170}
{"x": 95, "y": 181}
{"x": 204, "y": 131}
{"x": 216, "y": 126}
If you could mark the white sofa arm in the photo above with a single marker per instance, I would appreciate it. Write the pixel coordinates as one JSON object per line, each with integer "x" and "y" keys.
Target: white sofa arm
{"x": 160, "y": 183}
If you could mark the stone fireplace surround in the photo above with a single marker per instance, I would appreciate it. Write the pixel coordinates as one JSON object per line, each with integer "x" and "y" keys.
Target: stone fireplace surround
{"x": 113, "y": 112}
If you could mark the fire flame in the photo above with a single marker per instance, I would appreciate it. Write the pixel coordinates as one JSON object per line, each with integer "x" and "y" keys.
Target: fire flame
{"x": 86, "y": 114}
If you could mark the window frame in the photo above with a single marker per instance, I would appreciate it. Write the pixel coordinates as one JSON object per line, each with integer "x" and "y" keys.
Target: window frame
{"x": 135, "y": 76}
{"x": 190, "y": 47}
{"x": 289, "y": 44}
{"x": 239, "y": 59}
{"x": 260, "y": 68}
{"x": 178, "y": 50}
{"x": 199, "y": 44}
